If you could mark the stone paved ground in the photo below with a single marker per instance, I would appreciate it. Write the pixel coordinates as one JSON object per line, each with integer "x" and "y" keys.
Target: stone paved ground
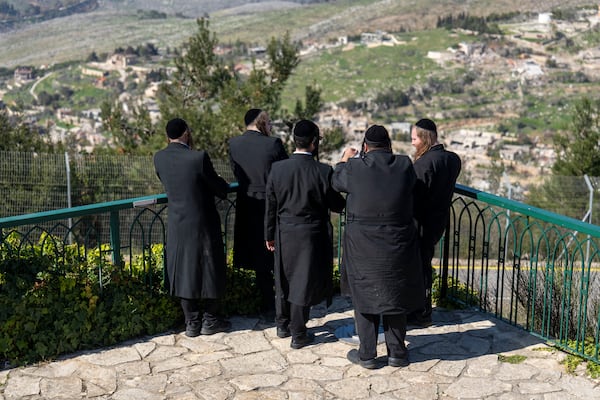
{"x": 457, "y": 358}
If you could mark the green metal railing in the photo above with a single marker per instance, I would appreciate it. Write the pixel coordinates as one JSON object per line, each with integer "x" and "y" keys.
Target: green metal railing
{"x": 118, "y": 231}
{"x": 524, "y": 265}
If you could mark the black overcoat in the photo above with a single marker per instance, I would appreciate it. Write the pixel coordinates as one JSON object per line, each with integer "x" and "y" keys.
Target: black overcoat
{"x": 381, "y": 257}
{"x": 299, "y": 197}
{"x": 251, "y": 156}
{"x": 437, "y": 171}
{"x": 195, "y": 252}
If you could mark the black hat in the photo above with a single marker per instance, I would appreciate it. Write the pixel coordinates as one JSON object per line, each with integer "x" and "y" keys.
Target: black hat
{"x": 251, "y": 115}
{"x": 427, "y": 124}
{"x": 306, "y": 128}
{"x": 377, "y": 135}
{"x": 176, "y": 127}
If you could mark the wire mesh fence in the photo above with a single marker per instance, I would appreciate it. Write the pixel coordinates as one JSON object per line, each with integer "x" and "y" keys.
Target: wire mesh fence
{"x": 574, "y": 196}
{"x": 34, "y": 182}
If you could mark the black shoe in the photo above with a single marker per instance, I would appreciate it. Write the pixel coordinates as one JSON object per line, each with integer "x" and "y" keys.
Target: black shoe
{"x": 215, "y": 327}
{"x": 353, "y": 357}
{"x": 283, "y": 332}
{"x": 398, "y": 361}
{"x": 301, "y": 341}
{"x": 193, "y": 329}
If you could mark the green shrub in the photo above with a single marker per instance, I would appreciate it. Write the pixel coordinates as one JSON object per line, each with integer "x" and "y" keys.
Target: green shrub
{"x": 57, "y": 299}
{"x": 459, "y": 296}
{"x": 49, "y": 313}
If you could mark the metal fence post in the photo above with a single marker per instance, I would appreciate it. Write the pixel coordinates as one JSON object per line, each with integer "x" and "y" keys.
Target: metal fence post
{"x": 115, "y": 237}
{"x": 69, "y": 205}
{"x": 445, "y": 257}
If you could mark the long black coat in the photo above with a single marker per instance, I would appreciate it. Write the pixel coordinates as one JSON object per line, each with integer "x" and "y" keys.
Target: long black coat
{"x": 251, "y": 156}
{"x": 437, "y": 171}
{"x": 299, "y": 197}
{"x": 381, "y": 257}
{"x": 195, "y": 253}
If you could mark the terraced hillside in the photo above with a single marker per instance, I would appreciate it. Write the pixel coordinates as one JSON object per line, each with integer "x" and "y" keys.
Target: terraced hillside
{"x": 122, "y": 23}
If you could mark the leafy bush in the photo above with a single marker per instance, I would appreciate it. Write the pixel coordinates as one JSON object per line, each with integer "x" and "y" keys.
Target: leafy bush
{"x": 45, "y": 312}
{"x": 459, "y": 295}
{"x": 57, "y": 298}
{"x": 572, "y": 361}
{"x": 54, "y": 301}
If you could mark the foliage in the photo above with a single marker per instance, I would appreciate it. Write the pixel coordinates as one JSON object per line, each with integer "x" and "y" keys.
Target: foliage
{"x": 392, "y": 98}
{"x": 578, "y": 154}
{"x": 213, "y": 98}
{"x": 578, "y": 151}
{"x": 241, "y": 293}
{"x": 312, "y": 103}
{"x": 133, "y": 134}
{"x": 459, "y": 296}
{"x": 57, "y": 298}
{"x": 333, "y": 139}
{"x": 46, "y": 311}
{"x": 572, "y": 361}
{"x": 18, "y": 136}
{"x": 466, "y": 21}
{"x": 562, "y": 195}
{"x": 512, "y": 359}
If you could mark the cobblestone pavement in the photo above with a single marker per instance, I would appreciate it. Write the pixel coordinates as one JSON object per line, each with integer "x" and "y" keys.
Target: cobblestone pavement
{"x": 457, "y": 358}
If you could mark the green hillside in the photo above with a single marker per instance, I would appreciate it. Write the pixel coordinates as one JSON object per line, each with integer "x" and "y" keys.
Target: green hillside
{"x": 121, "y": 23}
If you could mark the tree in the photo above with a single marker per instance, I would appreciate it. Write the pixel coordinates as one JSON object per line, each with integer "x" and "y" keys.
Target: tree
{"x": 213, "y": 98}
{"x": 130, "y": 135}
{"x": 333, "y": 140}
{"x": 578, "y": 152}
{"x": 313, "y": 103}
{"x": 16, "y": 135}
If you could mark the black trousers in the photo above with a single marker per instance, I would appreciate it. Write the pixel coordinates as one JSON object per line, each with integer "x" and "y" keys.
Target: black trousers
{"x": 266, "y": 284}
{"x": 427, "y": 250}
{"x": 293, "y": 317}
{"x": 394, "y": 329}
{"x": 191, "y": 310}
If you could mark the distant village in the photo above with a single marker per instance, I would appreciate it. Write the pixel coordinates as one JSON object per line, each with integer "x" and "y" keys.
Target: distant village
{"x": 524, "y": 163}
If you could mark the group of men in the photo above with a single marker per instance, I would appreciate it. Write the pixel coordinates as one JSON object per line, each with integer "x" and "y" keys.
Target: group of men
{"x": 396, "y": 211}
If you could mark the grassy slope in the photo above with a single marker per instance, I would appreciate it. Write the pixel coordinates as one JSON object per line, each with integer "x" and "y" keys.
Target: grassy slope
{"x": 342, "y": 74}
{"x": 116, "y": 23}
{"x": 354, "y": 74}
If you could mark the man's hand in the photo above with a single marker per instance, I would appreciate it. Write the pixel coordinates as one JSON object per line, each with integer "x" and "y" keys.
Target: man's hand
{"x": 270, "y": 245}
{"x": 349, "y": 152}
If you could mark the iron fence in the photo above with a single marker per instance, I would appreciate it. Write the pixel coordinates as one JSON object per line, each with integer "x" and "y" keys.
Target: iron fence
{"x": 527, "y": 266}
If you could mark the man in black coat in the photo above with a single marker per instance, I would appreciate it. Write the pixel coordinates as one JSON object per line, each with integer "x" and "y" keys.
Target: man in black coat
{"x": 251, "y": 156}
{"x": 299, "y": 231}
{"x": 437, "y": 170}
{"x": 380, "y": 254}
{"x": 195, "y": 256}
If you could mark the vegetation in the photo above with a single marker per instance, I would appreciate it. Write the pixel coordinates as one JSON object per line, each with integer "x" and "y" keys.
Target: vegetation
{"x": 578, "y": 152}
{"x": 466, "y": 21}
{"x": 577, "y": 155}
{"x": 18, "y": 136}
{"x": 512, "y": 359}
{"x": 572, "y": 361}
{"x": 206, "y": 91}
{"x": 54, "y": 300}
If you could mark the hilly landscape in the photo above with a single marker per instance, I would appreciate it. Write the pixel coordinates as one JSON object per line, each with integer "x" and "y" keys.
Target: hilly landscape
{"x": 498, "y": 96}
{"x": 115, "y": 23}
